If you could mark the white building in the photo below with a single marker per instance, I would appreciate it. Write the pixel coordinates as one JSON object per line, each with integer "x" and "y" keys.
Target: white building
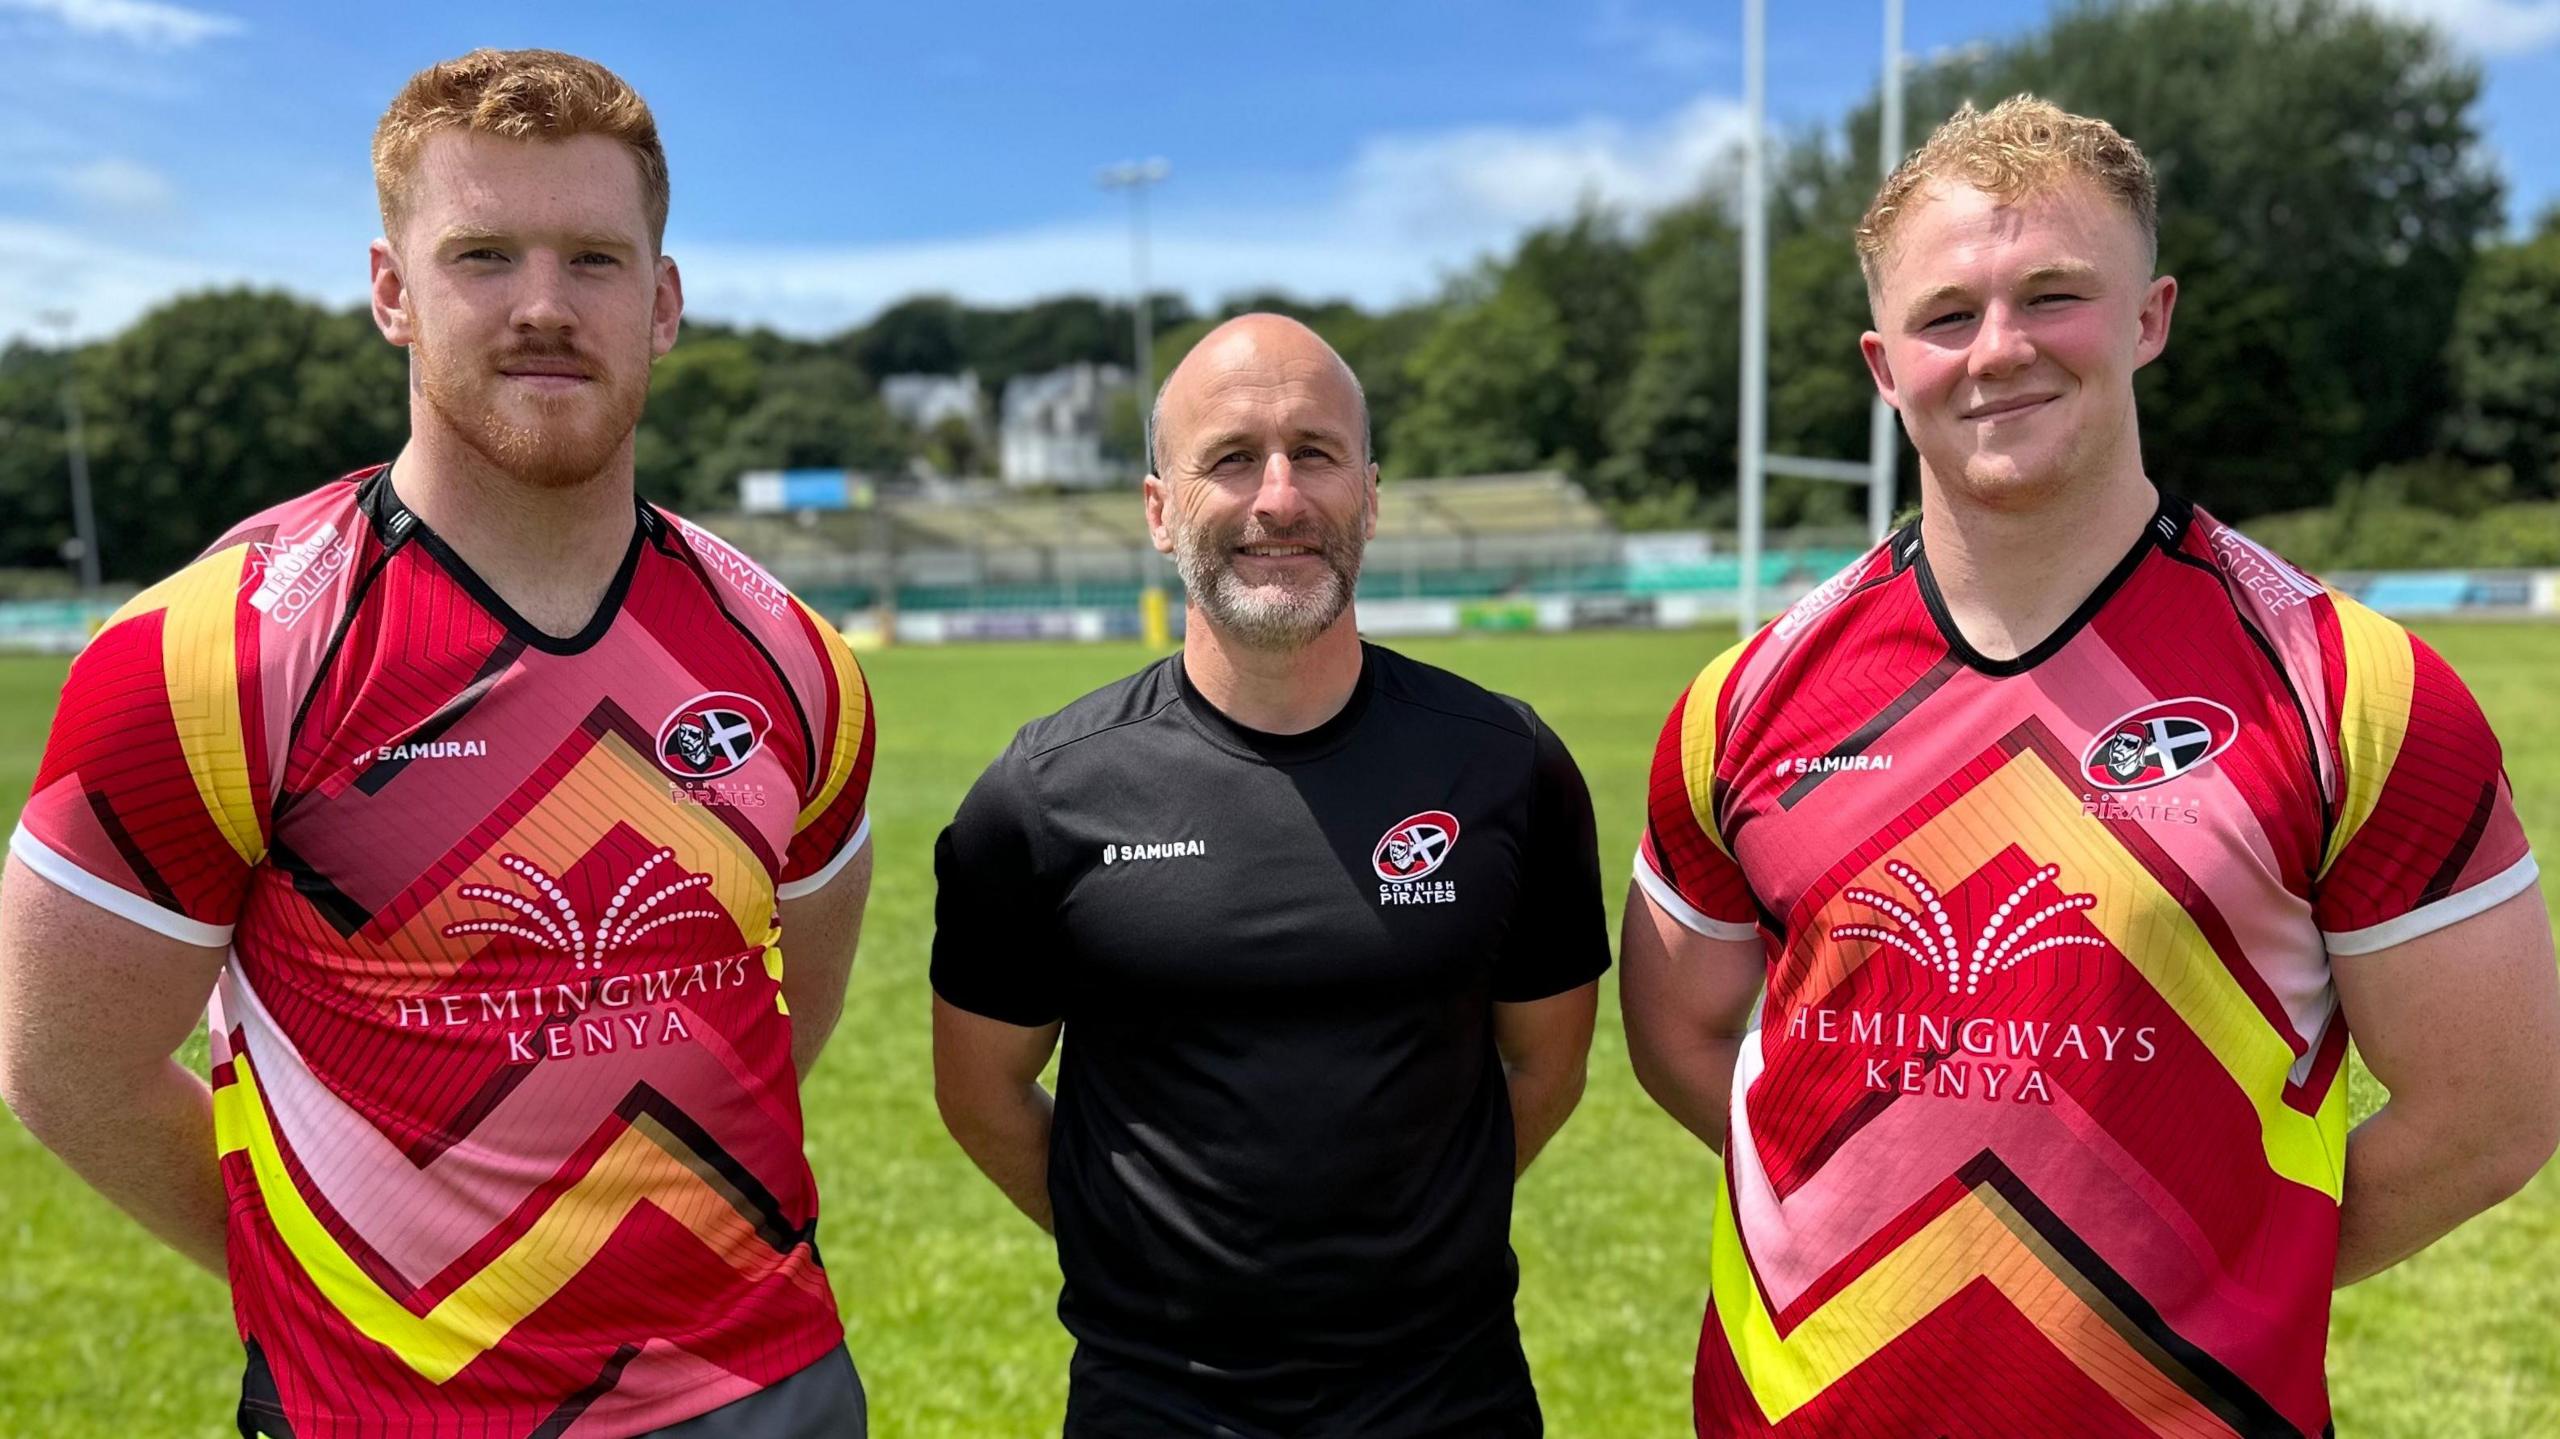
{"x": 1054, "y": 423}
{"x": 925, "y": 401}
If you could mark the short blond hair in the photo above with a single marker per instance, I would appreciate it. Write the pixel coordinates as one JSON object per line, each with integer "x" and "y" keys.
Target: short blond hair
{"x": 2022, "y": 146}
{"x": 516, "y": 95}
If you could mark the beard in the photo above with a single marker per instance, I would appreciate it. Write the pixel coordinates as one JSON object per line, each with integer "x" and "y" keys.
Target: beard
{"x": 1280, "y": 615}
{"x": 544, "y": 442}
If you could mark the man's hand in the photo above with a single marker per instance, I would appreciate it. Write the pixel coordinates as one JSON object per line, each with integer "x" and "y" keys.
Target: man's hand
{"x": 2463, "y": 1027}
{"x": 91, "y": 1006}
{"x": 986, "y": 1080}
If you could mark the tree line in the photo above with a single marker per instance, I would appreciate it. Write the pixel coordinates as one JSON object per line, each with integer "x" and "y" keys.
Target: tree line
{"x": 2358, "y": 329}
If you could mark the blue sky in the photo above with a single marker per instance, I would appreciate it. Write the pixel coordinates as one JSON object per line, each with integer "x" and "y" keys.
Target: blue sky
{"x": 827, "y": 162}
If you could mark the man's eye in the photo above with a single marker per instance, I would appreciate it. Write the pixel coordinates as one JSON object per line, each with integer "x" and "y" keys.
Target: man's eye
{"x": 594, "y": 257}
{"x": 2052, "y": 298}
{"x": 482, "y": 253}
{"x": 1952, "y": 317}
{"x": 1312, "y": 455}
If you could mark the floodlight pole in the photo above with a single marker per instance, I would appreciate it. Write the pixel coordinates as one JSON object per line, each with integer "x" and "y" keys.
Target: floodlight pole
{"x": 1884, "y": 431}
{"x": 1135, "y": 176}
{"x": 84, "y": 520}
{"x": 1755, "y": 303}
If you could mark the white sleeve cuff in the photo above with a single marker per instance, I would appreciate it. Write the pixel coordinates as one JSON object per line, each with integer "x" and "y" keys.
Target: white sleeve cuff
{"x": 2497, "y": 889}
{"x": 1668, "y": 900}
{"x": 63, "y": 873}
{"x": 811, "y": 884}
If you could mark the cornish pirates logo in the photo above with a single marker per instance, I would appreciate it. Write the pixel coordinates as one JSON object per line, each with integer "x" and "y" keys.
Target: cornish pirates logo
{"x": 551, "y": 922}
{"x": 711, "y": 734}
{"x": 1928, "y": 936}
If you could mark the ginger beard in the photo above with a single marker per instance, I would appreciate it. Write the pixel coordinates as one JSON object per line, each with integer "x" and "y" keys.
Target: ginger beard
{"x": 543, "y": 441}
{"x": 1278, "y": 614}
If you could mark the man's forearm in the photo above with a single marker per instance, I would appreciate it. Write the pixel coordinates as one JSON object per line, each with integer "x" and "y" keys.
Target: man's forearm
{"x": 146, "y": 1145}
{"x": 1541, "y": 1100}
{"x": 813, "y": 1021}
{"x": 1009, "y": 1142}
{"x": 1693, "y": 1083}
{"x": 2409, "y": 1182}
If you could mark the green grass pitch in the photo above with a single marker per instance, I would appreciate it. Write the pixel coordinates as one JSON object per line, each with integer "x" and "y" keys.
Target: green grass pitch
{"x": 948, "y": 1294}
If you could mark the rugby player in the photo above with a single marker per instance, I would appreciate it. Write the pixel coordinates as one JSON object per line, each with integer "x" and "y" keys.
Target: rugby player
{"x": 480, "y": 796}
{"x": 1322, "y": 927}
{"x": 2005, "y": 906}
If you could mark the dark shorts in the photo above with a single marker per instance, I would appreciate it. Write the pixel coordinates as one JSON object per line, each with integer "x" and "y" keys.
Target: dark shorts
{"x": 823, "y": 1401}
{"x": 1475, "y": 1388}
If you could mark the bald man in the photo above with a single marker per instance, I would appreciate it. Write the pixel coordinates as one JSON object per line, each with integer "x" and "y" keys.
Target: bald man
{"x": 1325, "y": 926}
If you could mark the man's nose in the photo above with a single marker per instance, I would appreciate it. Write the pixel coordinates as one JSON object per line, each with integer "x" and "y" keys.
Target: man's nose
{"x": 542, "y": 297}
{"x": 1279, "y": 499}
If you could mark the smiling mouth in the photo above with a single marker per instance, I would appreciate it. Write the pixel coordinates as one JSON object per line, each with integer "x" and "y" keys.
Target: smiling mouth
{"x": 1278, "y": 552}
{"x": 2008, "y": 409}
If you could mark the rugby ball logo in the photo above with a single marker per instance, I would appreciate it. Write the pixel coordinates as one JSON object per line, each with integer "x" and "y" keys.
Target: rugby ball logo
{"x": 1415, "y": 846}
{"x": 712, "y": 734}
{"x": 2158, "y": 743}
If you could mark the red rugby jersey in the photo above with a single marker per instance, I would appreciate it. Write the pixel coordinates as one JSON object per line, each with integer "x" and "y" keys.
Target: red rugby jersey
{"x": 2042, "y": 1124}
{"x": 502, "y": 1072}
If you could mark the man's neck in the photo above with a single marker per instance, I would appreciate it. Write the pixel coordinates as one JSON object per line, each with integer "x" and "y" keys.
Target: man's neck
{"x": 550, "y": 553}
{"x": 1274, "y": 691}
{"x": 2010, "y": 578}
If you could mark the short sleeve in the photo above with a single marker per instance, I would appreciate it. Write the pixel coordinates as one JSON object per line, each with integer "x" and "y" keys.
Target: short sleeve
{"x": 1682, "y": 863}
{"x": 995, "y": 947}
{"x": 152, "y": 801}
{"x": 835, "y": 820}
{"x": 1559, "y": 935}
{"x": 2426, "y": 834}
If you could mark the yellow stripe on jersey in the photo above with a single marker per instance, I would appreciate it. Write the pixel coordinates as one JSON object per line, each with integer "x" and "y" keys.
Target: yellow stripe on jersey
{"x": 645, "y": 1164}
{"x": 199, "y": 660}
{"x": 853, "y": 712}
{"x": 1980, "y": 1236}
{"x": 1699, "y": 740}
{"x": 2373, "y": 719}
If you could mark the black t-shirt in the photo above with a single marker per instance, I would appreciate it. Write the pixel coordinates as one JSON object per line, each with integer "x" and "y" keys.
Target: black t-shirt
{"x": 1282, "y": 1151}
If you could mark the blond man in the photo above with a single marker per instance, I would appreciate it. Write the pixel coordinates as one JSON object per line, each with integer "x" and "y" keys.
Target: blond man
{"x": 480, "y": 796}
{"x": 2006, "y": 906}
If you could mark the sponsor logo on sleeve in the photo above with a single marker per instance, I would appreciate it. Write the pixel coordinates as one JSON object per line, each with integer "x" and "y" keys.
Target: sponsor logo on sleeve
{"x": 2158, "y": 743}
{"x": 296, "y": 572}
{"x": 1407, "y": 855}
{"x": 712, "y": 734}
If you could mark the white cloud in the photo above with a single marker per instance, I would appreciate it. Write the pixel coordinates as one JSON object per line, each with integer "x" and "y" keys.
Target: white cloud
{"x": 1407, "y": 211}
{"x": 2492, "y": 27}
{"x": 147, "y": 23}
{"x": 106, "y": 284}
{"x": 1496, "y": 181}
{"x": 120, "y": 187}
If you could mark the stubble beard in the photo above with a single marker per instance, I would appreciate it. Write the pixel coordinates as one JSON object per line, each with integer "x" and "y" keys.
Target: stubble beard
{"x": 1273, "y": 616}
{"x": 560, "y": 449}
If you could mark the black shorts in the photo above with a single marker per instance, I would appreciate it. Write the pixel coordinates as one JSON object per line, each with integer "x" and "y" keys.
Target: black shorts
{"x": 823, "y": 1401}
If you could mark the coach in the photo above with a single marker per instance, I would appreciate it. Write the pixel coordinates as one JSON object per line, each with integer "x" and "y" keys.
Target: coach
{"x": 1324, "y": 926}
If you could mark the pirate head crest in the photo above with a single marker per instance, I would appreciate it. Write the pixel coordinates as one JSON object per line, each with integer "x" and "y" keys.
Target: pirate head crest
{"x": 712, "y": 734}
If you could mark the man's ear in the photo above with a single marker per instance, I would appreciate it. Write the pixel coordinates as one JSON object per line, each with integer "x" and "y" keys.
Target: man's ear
{"x": 1158, "y": 497}
{"x": 666, "y": 308}
{"x": 390, "y": 293}
{"x": 2158, "y": 303}
{"x": 1879, "y": 369}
